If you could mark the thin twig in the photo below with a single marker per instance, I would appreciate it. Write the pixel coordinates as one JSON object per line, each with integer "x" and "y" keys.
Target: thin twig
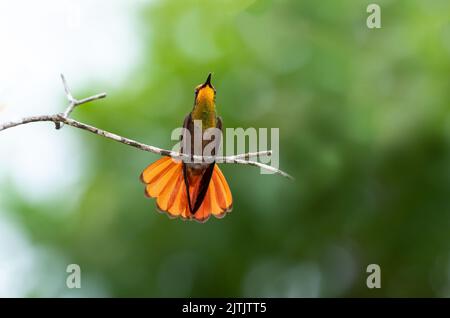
{"x": 238, "y": 159}
{"x": 63, "y": 118}
{"x": 264, "y": 166}
{"x": 73, "y": 102}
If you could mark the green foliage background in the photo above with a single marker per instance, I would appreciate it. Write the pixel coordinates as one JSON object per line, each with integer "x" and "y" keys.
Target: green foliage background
{"x": 364, "y": 128}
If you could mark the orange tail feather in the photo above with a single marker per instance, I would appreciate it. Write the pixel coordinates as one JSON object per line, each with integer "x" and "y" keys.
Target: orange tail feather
{"x": 164, "y": 181}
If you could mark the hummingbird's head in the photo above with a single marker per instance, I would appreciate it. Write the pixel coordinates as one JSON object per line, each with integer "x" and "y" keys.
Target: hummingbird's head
{"x": 205, "y": 93}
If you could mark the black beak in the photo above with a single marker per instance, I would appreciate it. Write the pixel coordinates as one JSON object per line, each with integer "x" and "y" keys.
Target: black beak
{"x": 208, "y": 80}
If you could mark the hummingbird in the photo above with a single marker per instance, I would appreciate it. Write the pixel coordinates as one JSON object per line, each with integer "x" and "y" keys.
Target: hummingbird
{"x": 192, "y": 191}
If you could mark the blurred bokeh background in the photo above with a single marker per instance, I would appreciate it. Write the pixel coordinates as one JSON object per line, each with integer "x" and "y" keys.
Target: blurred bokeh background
{"x": 364, "y": 128}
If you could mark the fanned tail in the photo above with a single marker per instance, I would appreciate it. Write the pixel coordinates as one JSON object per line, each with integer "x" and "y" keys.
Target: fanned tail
{"x": 165, "y": 181}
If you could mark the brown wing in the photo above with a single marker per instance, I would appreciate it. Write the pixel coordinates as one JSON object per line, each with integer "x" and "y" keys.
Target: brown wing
{"x": 201, "y": 186}
{"x": 206, "y": 178}
{"x": 188, "y": 126}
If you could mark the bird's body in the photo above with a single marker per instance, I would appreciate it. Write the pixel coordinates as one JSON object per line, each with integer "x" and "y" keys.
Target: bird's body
{"x": 187, "y": 189}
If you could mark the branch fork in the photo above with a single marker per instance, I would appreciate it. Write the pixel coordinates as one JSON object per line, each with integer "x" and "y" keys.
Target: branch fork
{"x": 64, "y": 118}
{"x": 73, "y": 102}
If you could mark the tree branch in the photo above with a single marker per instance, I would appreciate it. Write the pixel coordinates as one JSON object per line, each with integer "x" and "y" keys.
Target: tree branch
{"x": 64, "y": 118}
